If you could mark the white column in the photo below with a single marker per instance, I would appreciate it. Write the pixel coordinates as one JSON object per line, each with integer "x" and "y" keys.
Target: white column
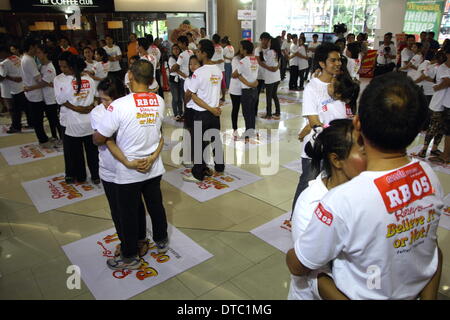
{"x": 260, "y": 23}
{"x": 392, "y": 19}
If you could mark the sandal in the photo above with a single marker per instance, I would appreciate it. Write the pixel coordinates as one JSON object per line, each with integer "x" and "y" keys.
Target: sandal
{"x": 143, "y": 246}
{"x": 422, "y": 154}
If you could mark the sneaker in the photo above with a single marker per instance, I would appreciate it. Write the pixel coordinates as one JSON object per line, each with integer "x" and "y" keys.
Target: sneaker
{"x": 69, "y": 180}
{"x": 119, "y": 263}
{"x": 96, "y": 181}
{"x": 162, "y": 246}
{"x": 12, "y": 130}
{"x": 190, "y": 178}
{"x": 58, "y": 144}
{"x": 46, "y": 145}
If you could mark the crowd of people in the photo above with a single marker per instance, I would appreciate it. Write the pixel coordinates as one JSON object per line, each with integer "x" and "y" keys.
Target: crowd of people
{"x": 357, "y": 179}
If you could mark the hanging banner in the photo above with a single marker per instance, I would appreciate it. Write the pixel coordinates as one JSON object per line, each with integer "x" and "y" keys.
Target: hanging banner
{"x": 368, "y": 64}
{"x": 246, "y": 14}
{"x": 423, "y": 15}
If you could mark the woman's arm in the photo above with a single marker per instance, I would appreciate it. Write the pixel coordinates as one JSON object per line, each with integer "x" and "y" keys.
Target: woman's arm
{"x": 146, "y": 165}
{"x": 118, "y": 154}
{"x": 215, "y": 111}
{"x": 248, "y": 84}
{"x": 82, "y": 110}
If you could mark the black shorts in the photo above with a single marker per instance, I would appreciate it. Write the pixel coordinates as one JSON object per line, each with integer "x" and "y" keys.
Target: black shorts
{"x": 446, "y": 121}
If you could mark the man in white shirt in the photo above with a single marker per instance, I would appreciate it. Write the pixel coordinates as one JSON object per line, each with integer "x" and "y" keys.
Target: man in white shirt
{"x": 203, "y": 35}
{"x": 316, "y": 101}
{"x": 384, "y": 221}
{"x": 192, "y": 46}
{"x": 182, "y": 65}
{"x": 407, "y": 53}
{"x": 154, "y": 51}
{"x": 11, "y": 75}
{"x": 312, "y": 46}
{"x": 293, "y": 63}
{"x": 386, "y": 56}
{"x": 115, "y": 55}
{"x": 204, "y": 88}
{"x": 285, "y": 45}
{"x": 31, "y": 77}
{"x": 137, "y": 117}
{"x": 218, "y": 59}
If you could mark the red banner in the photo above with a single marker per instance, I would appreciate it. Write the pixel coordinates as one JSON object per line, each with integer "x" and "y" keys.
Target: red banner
{"x": 368, "y": 64}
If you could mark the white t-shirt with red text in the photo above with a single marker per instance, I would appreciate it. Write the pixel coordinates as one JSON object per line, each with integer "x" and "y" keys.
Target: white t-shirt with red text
{"x": 155, "y": 52}
{"x": 271, "y": 60}
{"x": 48, "y": 74}
{"x": 415, "y": 61}
{"x": 235, "y": 84}
{"x": 248, "y": 68}
{"x": 438, "y": 101}
{"x": 379, "y": 229}
{"x": 206, "y": 83}
{"x": 183, "y": 61}
{"x": 60, "y": 83}
{"x": 218, "y": 55}
{"x": 77, "y": 124}
{"x": 137, "y": 119}
{"x": 30, "y": 73}
{"x": 11, "y": 66}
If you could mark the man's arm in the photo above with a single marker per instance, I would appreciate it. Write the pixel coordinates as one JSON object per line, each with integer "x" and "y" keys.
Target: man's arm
{"x": 294, "y": 265}
{"x": 431, "y": 289}
{"x": 98, "y": 139}
{"x": 314, "y": 121}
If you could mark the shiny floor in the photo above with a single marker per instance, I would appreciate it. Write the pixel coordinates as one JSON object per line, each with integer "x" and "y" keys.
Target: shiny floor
{"x": 33, "y": 265}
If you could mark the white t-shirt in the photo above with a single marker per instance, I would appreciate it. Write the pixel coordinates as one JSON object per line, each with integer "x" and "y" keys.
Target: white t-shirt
{"x": 218, "y": 55}
{"x": 261, "y": 71}
{"x": 60, "y": 83}
{"x": 206, "y": 83}
{"x": 415, "y": 61}
{"x": 294, "y": 49}
{"x": 153, "y": 87}
{"x": 438, "y": 101}
{"x": 302, "y": 63}
{"x": 151, "y": 58}
{"x": 382, "y": 59}
{"x": 107, "y": 162}
{"x": 235, "y": 84}
{"x": 11, "y": 66}
{"x": 190, "y": 104}
{"x": 428, "y": 70}
{"x": 155, "y": 52}
{"x": 29, "y": 73}
{"x": 353, "y": 66}
{"x": 248, "y": 67}
{"x": 270, "y": 58}
{"x": 406, "y": 56}
{"x": 305, "y": 287}
{"x": 285, "y": 45}
{"x": 77, "y": 124}
{"x": 183, "y": 61}
{"x": 173, "y": 62}
{"x": 312, "y": 45}
{"x": 228, "y": 53}
{"x": 5, "y": 91}
{"x": 137, "y": 119}
{"x": 379, "y": 229}
{"x": 48, "y": 74}
{"x": 317, "y": 101}
{"x": 113, "y": 52}
{"x": 192, "y": 46}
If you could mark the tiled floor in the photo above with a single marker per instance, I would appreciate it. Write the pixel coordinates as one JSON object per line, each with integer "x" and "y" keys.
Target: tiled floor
{"x": 33, "y": 265}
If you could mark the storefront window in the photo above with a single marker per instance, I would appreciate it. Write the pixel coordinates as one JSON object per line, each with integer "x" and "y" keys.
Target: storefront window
{"x": 297, "y": 16}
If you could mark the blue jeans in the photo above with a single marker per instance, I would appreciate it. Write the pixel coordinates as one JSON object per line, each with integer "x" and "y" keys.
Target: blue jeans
{"x": 228, "y": 72}
{"x": 306, "y": 176}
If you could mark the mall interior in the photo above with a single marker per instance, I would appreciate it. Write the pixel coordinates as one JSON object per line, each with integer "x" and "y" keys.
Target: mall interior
{"x": 230, "y": 234}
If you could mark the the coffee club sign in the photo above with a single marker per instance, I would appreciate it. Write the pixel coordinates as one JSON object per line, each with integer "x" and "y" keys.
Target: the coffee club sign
{"x": 423, "y": 15}
{"x": 52, "y": 6}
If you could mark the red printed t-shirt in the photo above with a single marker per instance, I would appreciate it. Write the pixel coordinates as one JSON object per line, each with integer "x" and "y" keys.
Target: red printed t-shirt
{"x": 379, "y": 229}
{"x": 137, "y": 119}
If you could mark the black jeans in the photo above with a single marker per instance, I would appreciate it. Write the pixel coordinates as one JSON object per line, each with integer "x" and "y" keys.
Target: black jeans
{"x": 131, "y": 216}
{"x": 177, "y": 98}
{"x": 74, "y": 157}
{"x": 283, "y": 67}
{"x": 158, "y": 80}
{"x": 293, "y": 77}
{"x": 183, "y": 108}
{"x": 248, "y": 100}
{"x": 236, "y": 102}
{"x": 271, "y": 93}
{"x": 205, "y": 121}
{"x": 37, "y": 114}
{"x": 303, "y": 75}
{"x": 19, "y": 105}
{"x": 306, "y": 176}
{"x": 110, "y": 192}
{"x": 261, "y": 85}
{"x": 116, "y": 75}
{"x": 51, "y": 112}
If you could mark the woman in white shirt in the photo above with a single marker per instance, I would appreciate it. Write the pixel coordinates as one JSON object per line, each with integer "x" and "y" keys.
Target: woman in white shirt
{"x": 228, "y": 54}
{"x": 412, "y": 66}
{"x": 235, "y": 92}
{"x": 353, "y": 59}
{"x": 272, "y": 78}
{"x": 337, "y": 151}
{"x": 115, "y": 55}
{"x": 76, "y": 97}
{"x": 175, "y": 85}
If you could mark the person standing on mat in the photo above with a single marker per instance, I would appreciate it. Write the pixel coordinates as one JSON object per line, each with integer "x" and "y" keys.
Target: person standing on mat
{"x": 136, "y": 117}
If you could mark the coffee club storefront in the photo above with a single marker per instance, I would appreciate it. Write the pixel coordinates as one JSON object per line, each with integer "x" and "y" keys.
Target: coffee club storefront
{"x": 93, "y": 19}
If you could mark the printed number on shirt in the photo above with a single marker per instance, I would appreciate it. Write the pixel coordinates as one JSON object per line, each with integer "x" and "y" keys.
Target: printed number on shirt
{"x": 402, "y": 187}
{"x": 323, "y": 215}
{"x": 147, "y": 104}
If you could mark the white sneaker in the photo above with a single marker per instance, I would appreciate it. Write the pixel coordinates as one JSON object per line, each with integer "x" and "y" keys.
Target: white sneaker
{"x": 190, "y": 178}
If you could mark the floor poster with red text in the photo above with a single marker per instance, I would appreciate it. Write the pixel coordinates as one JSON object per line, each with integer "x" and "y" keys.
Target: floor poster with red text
{"x": 444, "y": 168}
{"x": 276, "y": 232}
{"x": 53, "y": 192}
{"x": 28, "y": 153}
{"x": 211, "y": 187}
{"x": 90, "y": 255}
